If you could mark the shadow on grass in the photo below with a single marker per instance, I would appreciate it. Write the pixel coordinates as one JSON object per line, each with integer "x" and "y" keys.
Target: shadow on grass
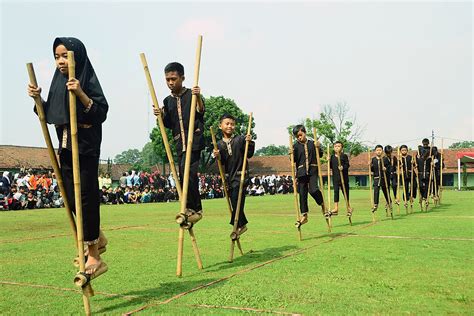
{"x": 249, "y": 257}
{"x": 162, "y": 292}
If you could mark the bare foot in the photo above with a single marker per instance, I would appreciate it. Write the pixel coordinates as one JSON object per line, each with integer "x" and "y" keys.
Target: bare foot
{"x": 92, "y": 264}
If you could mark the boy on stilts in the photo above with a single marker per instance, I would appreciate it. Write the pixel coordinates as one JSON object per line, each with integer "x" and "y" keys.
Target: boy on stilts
{"x": 307, "y": 171}
{"x": 231, "y": 153}
{"x": 176, "y": 114}
{"x": 339, "y": 163}
{"x": 406, "y": 164}
{"x": 379, "y": 166}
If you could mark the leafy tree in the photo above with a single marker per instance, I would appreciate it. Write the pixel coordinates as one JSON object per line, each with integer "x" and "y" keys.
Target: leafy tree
{"x": 130, "y": 156}
{"x": 272, "y": 150}
{"x": 336, "y": 123}
{"x": 463, "y": 144}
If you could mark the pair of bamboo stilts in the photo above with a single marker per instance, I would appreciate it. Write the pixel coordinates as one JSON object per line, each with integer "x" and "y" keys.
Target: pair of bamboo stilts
{"x": 382, "y": 174}
{"x": 182, "y": 192}
{"x": 226, "y": 194}
{"x": 325, "y": 209}
{"x": 75, "y": 223}
{"x": 235, "y": 238}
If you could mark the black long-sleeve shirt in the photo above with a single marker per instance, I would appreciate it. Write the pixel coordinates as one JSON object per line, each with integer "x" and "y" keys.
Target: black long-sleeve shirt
{"x": 305, "y": 158}
{"x": 232, "y": 158}
{"x": 376, "y": 167}
{"x": 334, "y": 164}
{"x": 172, "y": 120}
{"x": 406, "y": 166}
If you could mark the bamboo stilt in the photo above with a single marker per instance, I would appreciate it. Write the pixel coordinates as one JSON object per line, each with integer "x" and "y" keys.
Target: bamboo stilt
{"x": 441, "y": 171}
{"x": 428, "y": 194}
{"x": 169, "y": 154}
{"x": 389, "y": 197}
{"x": 295, "y": 189}
{"x": 321, "y": 184}
{"x": 77, "y": 180}
{"x": 420, "y": 197}
{"x": 52, "y": 154}
{"x": 348, "y": 205}
{"x": 187, "y": 163}
{"x": 405, "y": 203}
{"x": 370, "y": 186}
{"x": 224, "y": 184}
{"x": 412, "y": 168}
{"x": 329, "y": 176}
{"x": 241, "y": 188}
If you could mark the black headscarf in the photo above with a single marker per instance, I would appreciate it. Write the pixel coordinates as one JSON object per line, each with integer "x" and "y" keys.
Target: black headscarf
{"x": 57, "y": 109}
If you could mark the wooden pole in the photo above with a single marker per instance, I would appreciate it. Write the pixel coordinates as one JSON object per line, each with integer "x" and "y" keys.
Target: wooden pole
{"x": 224, "y": 185}
{"x": 187, "y": 163}
{"x": 52, "y": 154}
{"x": 405, "y": 202}
{"x": 321, "y": 184}
{"x": 161, "y": 125}
{"x": 384, "y": 175}
{"x": 348, "y": 205}
{"x": 77, "y": 178}
{"x": 295, "y": 188}
{"x": 427, "y": 202}
{"x": 234, "y": 235}
{"x": 420, "y": 198}
{"x": 441, "y": 171}
{"x": 329, "y": 176}
{"x": 370, "y": 186}
{"x": 413, "y": 159}
{"x": 398, "y": 181}
{"x": 169, "y": 154}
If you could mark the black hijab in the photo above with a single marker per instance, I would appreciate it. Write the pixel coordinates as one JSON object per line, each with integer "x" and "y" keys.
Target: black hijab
{"x": 57, "y": 110}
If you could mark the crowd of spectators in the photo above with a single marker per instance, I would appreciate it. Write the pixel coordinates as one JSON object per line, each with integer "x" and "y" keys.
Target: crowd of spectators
{"x": 33, "y": 190}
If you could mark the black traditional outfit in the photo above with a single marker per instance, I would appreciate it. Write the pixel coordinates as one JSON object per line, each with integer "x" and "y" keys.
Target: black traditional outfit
{"x": 89, "y": 134}
{"x": 336, "y": 176}
{"x": 376, "y": 167}
{"x": 231, "y": 153}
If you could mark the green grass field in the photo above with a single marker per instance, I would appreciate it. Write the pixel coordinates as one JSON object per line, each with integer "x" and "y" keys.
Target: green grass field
{"x": 417, "y": 264}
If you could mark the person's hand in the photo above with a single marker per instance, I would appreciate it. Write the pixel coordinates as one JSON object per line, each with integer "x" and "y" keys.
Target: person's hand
{"x": 157, "y": 111}
{"x": 384, "y": 169}
{"x": 248, "y": 138}
{"x": 33, "y": 91}
{"x": 318, "y": 144}
{"x": 75, "y": 86}
{"x": 340, "y": 168}
{"x": 196, "y": 90}
{"x": 216, "y": 153}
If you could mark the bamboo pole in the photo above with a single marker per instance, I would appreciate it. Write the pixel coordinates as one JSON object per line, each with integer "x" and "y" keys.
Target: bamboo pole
{"x": 169, "y": 154}
{"x": 441, "y": 171}
{"x": 161, "y": 125}
{"x": 321, "y": 184}
{"x": 420, "y": 198}
{"x": 370, "y": 186}
{"x": 77, "y": 180}
{"x": 398, "y": 181}
{"x": 187, "y": 163}
{"x": 224, "y": 185}
{"x": 329, "y": 177}
{"x": 412, "y": 168}
{"x": 389, "y": 197}
{"x": 348, "y": 205}
{"x": 295, "y": 189}
{"x": 234, "y": 235}
{"x": 52, "y": 154}
{"x": 405, "y": 202}
{"x": 427, "y": 202}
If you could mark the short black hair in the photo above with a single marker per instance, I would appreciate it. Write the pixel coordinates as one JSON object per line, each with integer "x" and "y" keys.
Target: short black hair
{"x": 403, "y": 146}
{"x": 388, "y": 149}
{"x": 174, "y": 66}
{"x": 378, "y": 146}
{"x": 227, "y": 116}
{"x": 425, "y": 140}
{"x": 338, "y": 142}
{"x": 298, "y": 128}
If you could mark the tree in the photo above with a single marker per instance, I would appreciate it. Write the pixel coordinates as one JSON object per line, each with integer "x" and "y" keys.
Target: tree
{"x": 130, "y": 156}
{"x": 463, "y": 144}
{"x": 336, "y": 123}
{"x": 272, "y": 150}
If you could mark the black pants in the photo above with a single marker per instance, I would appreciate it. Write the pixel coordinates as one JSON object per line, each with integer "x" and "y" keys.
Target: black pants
{"x": 408, "y": 188}
{"x": 386, "y": 193}
{"x": 194, "y": 199}
{"x": 424, "y": 187}
{"x": 89, "y": 170}
{"x": 234, "y": 196}
{"x": 338, "y": 186}
{"x": 309, "y": 184}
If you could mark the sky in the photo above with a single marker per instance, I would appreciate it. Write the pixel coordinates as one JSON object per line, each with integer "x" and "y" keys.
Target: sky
{"x": 404, "y": 68}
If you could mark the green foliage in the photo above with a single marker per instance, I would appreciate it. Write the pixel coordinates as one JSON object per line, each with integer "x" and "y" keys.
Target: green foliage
{"x": 463, "y": 144}
{"x": 272, "y": 150}
{"x": 130, "y": 156}
{"x": 336, "y": 124}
